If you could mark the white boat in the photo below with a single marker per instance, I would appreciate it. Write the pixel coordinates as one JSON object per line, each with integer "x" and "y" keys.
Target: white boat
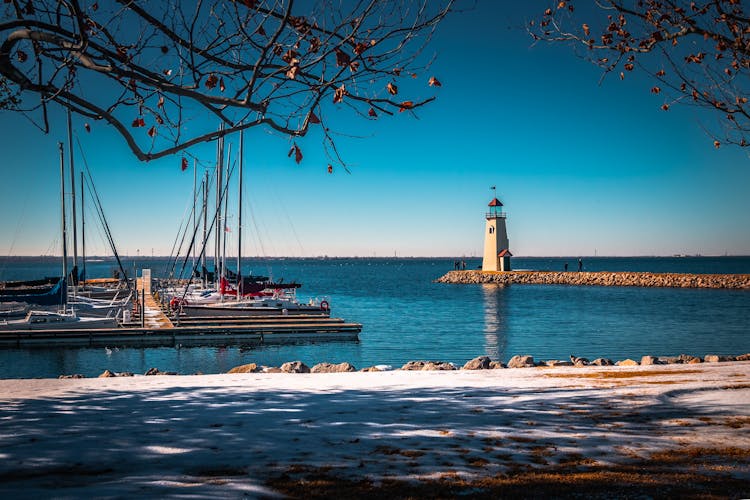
{"x": 13, "y": 309}
{"x": 46, "y": 320}
{"x": 213, "y": 303}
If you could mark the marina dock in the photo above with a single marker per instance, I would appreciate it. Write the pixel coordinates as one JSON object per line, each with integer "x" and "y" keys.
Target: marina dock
{"x": 214, "y": 331}
{"x": 154, "y": 325}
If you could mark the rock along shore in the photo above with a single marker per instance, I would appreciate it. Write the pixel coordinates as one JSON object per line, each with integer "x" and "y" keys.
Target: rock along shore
{"x": 601, "y": 278}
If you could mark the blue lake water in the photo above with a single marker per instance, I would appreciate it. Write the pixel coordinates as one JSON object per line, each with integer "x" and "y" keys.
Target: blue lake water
{"x": 408, "y": 317}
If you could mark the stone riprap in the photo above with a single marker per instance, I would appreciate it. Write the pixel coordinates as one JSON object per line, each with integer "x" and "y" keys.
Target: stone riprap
{"x": 601, "y": 278}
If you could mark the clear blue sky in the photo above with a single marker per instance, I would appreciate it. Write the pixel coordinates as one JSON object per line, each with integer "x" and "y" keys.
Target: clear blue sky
{"x": 580, "y": 166}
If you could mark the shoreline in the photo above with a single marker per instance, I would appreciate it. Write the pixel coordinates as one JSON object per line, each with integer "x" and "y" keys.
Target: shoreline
{"x": 474, "y": 364}
{"x": 669, "y": 430}
{"x": 599, "y": 278}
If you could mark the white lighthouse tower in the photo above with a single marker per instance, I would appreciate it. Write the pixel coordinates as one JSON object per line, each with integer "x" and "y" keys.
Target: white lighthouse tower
{"x": 496, "y": 253}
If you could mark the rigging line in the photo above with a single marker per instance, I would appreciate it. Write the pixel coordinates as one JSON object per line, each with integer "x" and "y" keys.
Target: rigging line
{"x": 205, "y": 241}
{"x": 174, "y": 256}
{"x": 55, "y": 243}
{"x": 103, "y": 219}
{"x": 289, "y": 219}
{"x": 16, "y": 232}
{"x": 257, "y": 231}
{"x": 263, "y": 254}
{"x": 171, "y": 263}
{"x": 182, "y": 242}
{"x": 101, "y": 241}
{"x": 89, "y": 214}
{"x": 100, "y": 215}
{"x": 174, "y": 244}
{"x": 192, "y": 243}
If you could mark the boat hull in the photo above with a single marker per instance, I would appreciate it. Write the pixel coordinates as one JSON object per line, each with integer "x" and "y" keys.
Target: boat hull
{"x": 199, "y": 310}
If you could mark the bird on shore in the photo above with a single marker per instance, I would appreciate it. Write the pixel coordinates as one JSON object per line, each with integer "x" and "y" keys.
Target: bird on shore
{"x": 108, "y": 351}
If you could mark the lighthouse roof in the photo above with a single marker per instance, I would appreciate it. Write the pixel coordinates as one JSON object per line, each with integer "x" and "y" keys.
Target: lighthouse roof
{"x": 505, "y": 253}
{"x": 495, "y": 203}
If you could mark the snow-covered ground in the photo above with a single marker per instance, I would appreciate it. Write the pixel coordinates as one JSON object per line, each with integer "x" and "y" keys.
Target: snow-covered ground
{"x": 228, "y": 435}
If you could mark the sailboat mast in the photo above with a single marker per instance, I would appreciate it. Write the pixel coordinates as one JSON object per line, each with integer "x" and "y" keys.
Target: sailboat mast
{"x": 64, "y": 230}
{"x": 195, "y": 215}
{"x": 205, "y": 228}
{"x": 239, "y": 218}
{"x": 219, "y": 185}
{"x": 224, "y": 227}
{"x": 73, "y": 201}
{"x": 83, "y": 231}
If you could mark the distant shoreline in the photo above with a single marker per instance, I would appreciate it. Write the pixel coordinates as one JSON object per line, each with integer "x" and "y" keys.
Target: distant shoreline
{"x": 399, "y": 257}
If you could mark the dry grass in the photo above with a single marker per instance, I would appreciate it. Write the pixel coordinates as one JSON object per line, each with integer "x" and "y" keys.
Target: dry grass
{"x": 683, "y": 473}
{"x": 737, "y": 422}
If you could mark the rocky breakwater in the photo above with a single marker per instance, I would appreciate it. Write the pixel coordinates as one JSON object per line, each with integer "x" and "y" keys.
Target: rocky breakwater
{"x": 601, "y": 278}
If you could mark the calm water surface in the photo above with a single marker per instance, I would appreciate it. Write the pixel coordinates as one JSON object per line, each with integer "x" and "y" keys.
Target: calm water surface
{"x": 407, "y": 317}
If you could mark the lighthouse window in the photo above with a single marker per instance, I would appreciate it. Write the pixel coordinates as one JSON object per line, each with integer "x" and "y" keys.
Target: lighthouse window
{"x": 492, "y": 230}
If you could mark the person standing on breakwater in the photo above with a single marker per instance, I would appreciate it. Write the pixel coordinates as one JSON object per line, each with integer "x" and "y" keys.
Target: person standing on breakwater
{"x": 580, "y": 265}
{"x": 566, "y": 267}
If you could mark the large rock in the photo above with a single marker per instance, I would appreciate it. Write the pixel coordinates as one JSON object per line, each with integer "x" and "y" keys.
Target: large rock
{"x": 438, "y": 365}
{"x": 331, "y": 368}
{"x": 75, "y": 375}
{"x": 669, "y": 360}
{"x": 295, "y": 367}
{"x": 627, "y": 362}
{"x": 650, "y": 360}
{"x": 478, "y": 363}
{"x": 248, "y": 368}
{"x": 496, "y": 365}
{"x": 521, "y": 362}
{"x": 686, "y": 358}
{"x": 270, "y": 369}
{"x": 579, "y": 361}
{"x": 377, "y": 368}
{"x": 414, "y": 365}
{"x": 156, "y": 371}
{"x": 713, "y": 358}
{"x": 107, "y": 374}
{"x": 743, "y": 357}
{"x": 557, "y": 362}
{"x": 602, "y": 362}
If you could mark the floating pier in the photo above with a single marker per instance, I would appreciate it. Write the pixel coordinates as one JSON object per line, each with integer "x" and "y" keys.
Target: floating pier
{"x": 217, "y": 331}
{"x": 153, "y": 328}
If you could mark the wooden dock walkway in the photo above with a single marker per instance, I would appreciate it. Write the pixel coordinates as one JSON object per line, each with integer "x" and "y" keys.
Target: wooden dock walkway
{"x": 153, "y": 315}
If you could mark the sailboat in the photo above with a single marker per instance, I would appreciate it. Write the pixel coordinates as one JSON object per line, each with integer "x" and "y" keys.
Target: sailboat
{"x": 66, "y": 318}
{"x": 234, "y": 294}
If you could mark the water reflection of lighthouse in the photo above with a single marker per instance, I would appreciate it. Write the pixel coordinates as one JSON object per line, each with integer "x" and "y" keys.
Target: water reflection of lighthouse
{"x": 495, "y": 320}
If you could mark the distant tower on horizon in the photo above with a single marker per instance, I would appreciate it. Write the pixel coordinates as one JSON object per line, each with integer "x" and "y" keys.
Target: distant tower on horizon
{"x": 496, "y": 246}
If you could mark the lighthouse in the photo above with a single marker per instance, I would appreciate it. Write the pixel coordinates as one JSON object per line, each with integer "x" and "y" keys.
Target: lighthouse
{"x": 496, "y": 253}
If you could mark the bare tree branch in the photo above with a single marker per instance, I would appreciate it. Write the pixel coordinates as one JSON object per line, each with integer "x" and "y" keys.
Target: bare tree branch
{"x": 698, "y": 52}
{"x": 148, "y": 69}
